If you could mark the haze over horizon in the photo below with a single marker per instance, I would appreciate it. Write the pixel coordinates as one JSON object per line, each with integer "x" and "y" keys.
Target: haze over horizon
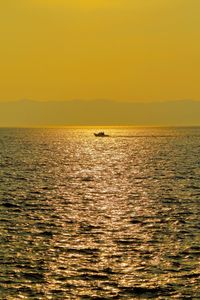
{"x": 27, "y": 113}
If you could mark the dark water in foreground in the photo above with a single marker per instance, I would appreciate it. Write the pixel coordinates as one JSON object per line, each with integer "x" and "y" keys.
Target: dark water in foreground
{"x": 100, "y": 218}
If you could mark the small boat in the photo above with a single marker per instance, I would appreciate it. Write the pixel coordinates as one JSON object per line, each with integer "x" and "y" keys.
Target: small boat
{"x": 101, "y": 134}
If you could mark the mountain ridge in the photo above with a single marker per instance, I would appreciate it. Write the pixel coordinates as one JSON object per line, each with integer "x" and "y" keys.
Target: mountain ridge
{"x": 27, "y": 112}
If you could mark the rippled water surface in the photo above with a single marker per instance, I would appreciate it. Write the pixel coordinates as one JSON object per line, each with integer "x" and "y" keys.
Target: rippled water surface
{"x": 83, "y": 217}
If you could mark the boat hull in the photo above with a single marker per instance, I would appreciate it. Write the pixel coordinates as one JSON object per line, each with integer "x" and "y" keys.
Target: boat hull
{"x": 101, "y": 135}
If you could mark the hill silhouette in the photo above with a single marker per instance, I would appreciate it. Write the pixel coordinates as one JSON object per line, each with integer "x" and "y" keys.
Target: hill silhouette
{"x": 99, "y": 112}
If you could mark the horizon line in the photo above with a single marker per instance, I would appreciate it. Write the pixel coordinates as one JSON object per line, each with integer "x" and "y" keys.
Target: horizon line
{"x": 98, "y": 100}
{"x": 94, "y": 126}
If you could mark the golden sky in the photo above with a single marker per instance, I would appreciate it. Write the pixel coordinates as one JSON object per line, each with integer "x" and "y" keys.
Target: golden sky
{"x": 128, "y": 50}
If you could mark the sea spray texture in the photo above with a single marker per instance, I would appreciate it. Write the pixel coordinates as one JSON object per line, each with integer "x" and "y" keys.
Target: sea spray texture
{"x": 83, "y": 217}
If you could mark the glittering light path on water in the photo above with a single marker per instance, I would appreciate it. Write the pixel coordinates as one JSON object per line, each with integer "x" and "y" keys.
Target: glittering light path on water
{"x": 89, "y": 218}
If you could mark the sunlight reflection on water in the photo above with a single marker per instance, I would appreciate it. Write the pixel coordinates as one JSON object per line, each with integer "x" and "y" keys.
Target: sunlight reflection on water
{"x": 85, "y": 217}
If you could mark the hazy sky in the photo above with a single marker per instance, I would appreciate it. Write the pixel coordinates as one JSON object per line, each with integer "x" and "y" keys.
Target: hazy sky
{"x": 135, "y": 50}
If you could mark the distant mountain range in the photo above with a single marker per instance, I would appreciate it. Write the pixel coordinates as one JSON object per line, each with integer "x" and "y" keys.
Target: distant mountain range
{"x": 99, "y": 112}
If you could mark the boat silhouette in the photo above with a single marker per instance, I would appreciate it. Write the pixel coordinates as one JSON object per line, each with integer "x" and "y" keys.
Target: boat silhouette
{"x": 101, "y": 134}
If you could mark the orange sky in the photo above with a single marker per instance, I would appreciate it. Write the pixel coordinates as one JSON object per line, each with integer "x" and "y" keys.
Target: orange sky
{"x": 127, "y": 50}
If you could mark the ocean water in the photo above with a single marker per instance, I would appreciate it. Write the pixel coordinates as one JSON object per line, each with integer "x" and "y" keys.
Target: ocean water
{"x": 83, "y": 217}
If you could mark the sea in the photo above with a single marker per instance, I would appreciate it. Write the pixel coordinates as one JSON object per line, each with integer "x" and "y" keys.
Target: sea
{"x": 85, "y": 217}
